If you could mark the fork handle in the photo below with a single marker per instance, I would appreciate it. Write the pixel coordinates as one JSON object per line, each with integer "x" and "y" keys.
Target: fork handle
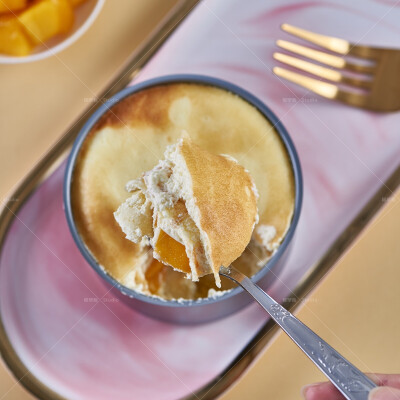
{"x": 348, "y": 379}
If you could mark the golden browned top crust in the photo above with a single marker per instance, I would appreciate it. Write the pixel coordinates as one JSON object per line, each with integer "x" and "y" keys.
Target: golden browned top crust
{"x": 132, "y": 137}
{"x": 224, "y": 195}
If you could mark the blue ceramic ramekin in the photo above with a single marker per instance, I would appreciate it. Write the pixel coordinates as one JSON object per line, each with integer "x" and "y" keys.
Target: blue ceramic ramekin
{"x": 188, "y": 311}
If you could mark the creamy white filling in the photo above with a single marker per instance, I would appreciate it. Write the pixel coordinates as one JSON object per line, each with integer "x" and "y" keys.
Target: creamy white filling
{"x": 163, "y": 196}
{"x": 267, "y": 234}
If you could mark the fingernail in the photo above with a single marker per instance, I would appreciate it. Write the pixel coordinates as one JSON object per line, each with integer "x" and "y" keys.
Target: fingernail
{"x": 384, "y": 393}
{"x": 303, "y": 390}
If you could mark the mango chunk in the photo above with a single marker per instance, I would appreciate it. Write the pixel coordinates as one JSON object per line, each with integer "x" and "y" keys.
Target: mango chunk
{"x": 172, "y": 252}
{"x": 8, "y": 6}
{"x": 46, "y": 19}
{"x": 66, "y": 14}
{"x": 13, "y": 40}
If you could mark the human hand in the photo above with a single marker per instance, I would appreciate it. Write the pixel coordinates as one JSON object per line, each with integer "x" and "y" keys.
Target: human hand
{"x": 389, "y": 389}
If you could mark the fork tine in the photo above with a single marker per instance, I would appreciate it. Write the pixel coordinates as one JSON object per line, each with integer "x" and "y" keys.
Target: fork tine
{"x": 331, "y": 43}
{"x": 336, "y": 45}
{"x": 324, "y": 58}
{"x": 321, "y": 72}
{"x": 324, "y": 89}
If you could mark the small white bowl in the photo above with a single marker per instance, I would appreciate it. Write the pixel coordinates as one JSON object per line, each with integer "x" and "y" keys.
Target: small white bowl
{"x": 85, "y": 14}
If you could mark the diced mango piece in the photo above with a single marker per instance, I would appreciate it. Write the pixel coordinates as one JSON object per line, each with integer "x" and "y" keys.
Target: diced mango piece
{"x": 46, "y": 19}
{"x": 172, "y": 252}
{"x": 41, "y": 21}
{"x": 66, "y": 13}
{"x": 13, "y": 40}
{"x": 7, "y": 6}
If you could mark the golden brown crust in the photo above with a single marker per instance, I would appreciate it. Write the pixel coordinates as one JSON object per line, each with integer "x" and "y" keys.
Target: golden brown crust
{"x": 143, "y": 108}
{"x": 223, "y": 193}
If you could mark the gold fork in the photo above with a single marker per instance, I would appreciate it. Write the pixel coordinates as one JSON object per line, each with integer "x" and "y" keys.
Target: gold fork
{"x": 374, "y": 72}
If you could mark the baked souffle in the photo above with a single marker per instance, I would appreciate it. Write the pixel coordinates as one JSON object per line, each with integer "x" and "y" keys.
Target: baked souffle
{"x": 132, "y": 137}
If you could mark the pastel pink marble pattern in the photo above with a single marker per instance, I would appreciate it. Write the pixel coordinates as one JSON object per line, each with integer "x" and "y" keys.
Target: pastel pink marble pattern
{"x": 86, "y": 349}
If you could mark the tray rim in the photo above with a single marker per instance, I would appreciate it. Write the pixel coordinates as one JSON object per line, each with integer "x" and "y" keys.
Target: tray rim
{"x": 56, "y": 155}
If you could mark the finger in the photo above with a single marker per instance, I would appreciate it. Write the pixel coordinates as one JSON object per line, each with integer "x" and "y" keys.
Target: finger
{"x": 384, "y": 393}
{"x": 323, "y": 390}
{"x": 327, "y": 391}
{"x": 392, "y": 380}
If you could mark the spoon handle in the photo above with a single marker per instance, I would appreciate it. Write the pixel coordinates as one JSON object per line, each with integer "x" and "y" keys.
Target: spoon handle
{"x": 348, "y": 379}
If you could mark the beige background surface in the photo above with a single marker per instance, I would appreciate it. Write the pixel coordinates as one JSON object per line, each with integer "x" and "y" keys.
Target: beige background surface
{"x": 356, "y": 308}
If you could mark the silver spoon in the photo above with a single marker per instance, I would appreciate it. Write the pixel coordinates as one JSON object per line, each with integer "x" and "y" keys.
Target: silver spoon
{"x": 349, "y": 380}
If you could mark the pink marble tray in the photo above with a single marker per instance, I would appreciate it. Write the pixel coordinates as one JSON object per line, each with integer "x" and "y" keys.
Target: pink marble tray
{"x": 84, "y": 344}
